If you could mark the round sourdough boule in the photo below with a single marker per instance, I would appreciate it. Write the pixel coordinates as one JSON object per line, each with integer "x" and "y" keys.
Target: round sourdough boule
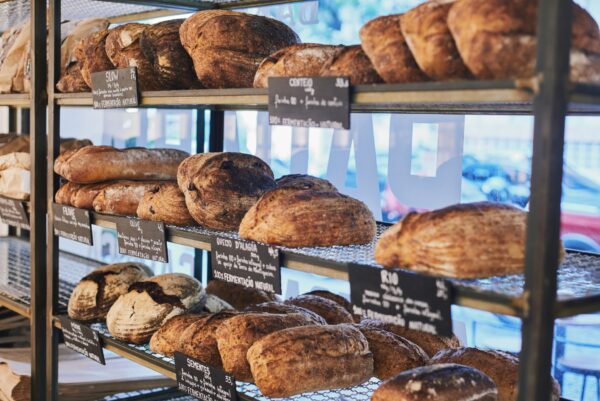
{"x": 331, "y": 311}
{"x": 238, "y": 296}
{"x": 281, "y": 308}
{"x": 165, "y": 202}
{"x": 165, "y": 340}
{"x": 304, "y": 181}
{"x": 91, "y": 55}
{"x": 352, "y": 62}
{"x": 303, "y": 218}
{"x": 338, "y": 299}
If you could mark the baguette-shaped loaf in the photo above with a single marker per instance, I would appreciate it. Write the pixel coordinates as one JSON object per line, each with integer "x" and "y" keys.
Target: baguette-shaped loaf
{"x": 93, "y": 164}
{"x": 165, "y": 340}
{"x": 236, "y": 335}
{"x": 298, "y": 218}
{"x": 237, "y": 295}
{"x": 352, "y": 62}
{"x": 443, "y": 382}
{"x": 310, "y": 358}
{"x": 122, "y": 197}
{"x": 330, "y": 310}
{"x": 281, "y": 308}
{"x": 65, "y": 193}
{"x": 84, "y": 197}
{"x": 165, "y": 202}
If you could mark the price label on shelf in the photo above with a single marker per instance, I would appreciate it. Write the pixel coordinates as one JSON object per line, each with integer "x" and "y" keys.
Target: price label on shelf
{"x": 411, "y": 300}
{"x": 313, "y": 102}
{"x": 13, "y": 213}
{"x": 202, "y": 381}
{"x": 247, "y": 263}
{"x": 82, "y": 339}
{"x": 72, "y": 223}
{"x": 142, "y": 239}
{"x": 115, "y": 89}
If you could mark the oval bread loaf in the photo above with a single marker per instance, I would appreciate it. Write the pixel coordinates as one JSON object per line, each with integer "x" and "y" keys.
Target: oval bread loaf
{"x": 165, "y": 202}
{"x": 281, "y": 308}
{"x": 122, "y": 197}
{"x": 237, "y": 295}
{"x": 352, "y": 62}
{"x": 331, "y": 311}
{"x": 167, "y": 338}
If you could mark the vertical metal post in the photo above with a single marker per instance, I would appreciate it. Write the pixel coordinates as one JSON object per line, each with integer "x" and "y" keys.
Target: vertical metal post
{"x": 38, "y": 199}
{"x": 12, "y": 120}
{"x": 543, "y": 224}
{"x": 215, "y": 144}
{"x": 200, "y": 137}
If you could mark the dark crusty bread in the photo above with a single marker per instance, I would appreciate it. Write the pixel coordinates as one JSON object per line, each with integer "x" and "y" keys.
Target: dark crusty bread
{"x": 66, "y": 192}
{"x": 430, "y": 41}
{"x": 383, "y": 42}
{"x": 338, "y": 299}
{"x": 91, "y": 55}
{"x": 298, "y": 60}
{"x": 501, "y": 367}
{"x": 331, "y": 311}
{"x": 237, "y": 295}
{"x": 165, "y": 202}
{"x": 499, "y": 41}
{"x": 71, "y": 81}
{"x": 297, "y": 218}
{"x": 219, "y": 188}
{"x": 352, "y": 62}
{"x": 165, "y": 340}
{"x": 84, "y": 197}
{"x": 122, "y": 197}
{"x": 430, "y": 343}
{"x": 310, "y": 358}
{"x": 93, "y": 164}
{"x": 236, "y": 335}
{"x": 227, "y": 46}
{"x": 445, "y": 382}
{"x": 281, "y": 308}
{"x": 392, "y": 354}
{"x": 304, "y": 181}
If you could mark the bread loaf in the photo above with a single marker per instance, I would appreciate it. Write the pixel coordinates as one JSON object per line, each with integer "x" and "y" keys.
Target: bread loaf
{"x": 67, "y": 144}
{"x": 227, "y": 46}
{"x": 166, "y": 339}
{"x": 303, "y": 181}
{"x": 499, "y": 41}
{"x": 66, "y": 192}
{"x": 298, "y": 60}
{"x": 383, "y": 42}
{"x": 430, "y": 41}
{"x": 97, "y": 292}
{"x": 122, "y": 197}
{"x": 352, "y": 62}
{"x": 501, "y": 367}
{"x": 236, "y": 335}
{"x": 329, "y": 310}
{"x": 281, "y": 308}
{"x": 237, "y": 295}
{"x": 84, "y": 197}
{"x": 444, "y": 382}
{"x": 392, "y": 354}
{"x": 338, "y": 299}
{"x": 91, "y": 55}
{"x": 219, "y": 188}
{"x": 310, "y": 358}
{"x": 138, "y": 314}
{"x": 165, "y": 202}
{"x": 430, "y": 343}
{"x": 72, "y": 80}
{"x": 297, "y": 218}
{"x": 93, "y": 164}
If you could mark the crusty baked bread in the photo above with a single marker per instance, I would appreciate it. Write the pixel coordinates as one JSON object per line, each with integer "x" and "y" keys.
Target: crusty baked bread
{"x": 165, "y": 340}
{"x": 71, "y": 81}
{"x": 93, "y": 164}
{"x": 67, "y": 144}
{"x": 281, "y": 308}
{"x": 227, "y": 46}
{"x": 331, "y": 311}
{"x": 352, "y": 62}
{"x": 501, "y": 367}
{"x": 165, "y": 202}
{"x": 430, "y": 343}
{"x": 383, "y": 42}
{"x": 298, "y": 60}
{"x": 65, "y": 193}
{"x": 237, "y": 295}
{"x": 219, "y": 188}
{"x": 296, "y": 218}
{"x": 338, "y": 299}
{"x": 91, "y": 55}
{"x": 304, "y": 181}
{"x": 97, "y": 292}
{"x": 122, "y": 197}
{"x": 236, "y": 335}
{"x": 465, "y": 240}
{"x": 310, "y": 358}
{"x": 84, "y": 197}
{"x": 499, "y": 40}
{"x": 139, "y": 313}
{"x": 430, "y": 41}
{"x": 444, "y": 382}
{"x": 392, "y": 354}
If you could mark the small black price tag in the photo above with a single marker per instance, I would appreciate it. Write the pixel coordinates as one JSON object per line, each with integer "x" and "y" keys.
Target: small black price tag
{"x": 319, "y": 102}
{"x": 114, "y": 89}
{"x": 72, "y": 223}
{"x": 411, "y": 300}
{"x": 247, "y": 263}
{"x": 13, "y": 213}
{"x": 202, "y": 381}
{"x": 82, "y": 339}
{"x": 143, "y": 239}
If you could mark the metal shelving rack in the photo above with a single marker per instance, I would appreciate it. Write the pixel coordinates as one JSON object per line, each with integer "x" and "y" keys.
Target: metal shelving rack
{"x": 533, "y": 297}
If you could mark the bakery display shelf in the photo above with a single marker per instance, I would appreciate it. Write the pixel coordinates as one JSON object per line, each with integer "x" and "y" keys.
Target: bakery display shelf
{"x": 15, "y": 284}
{"x": 14, "y": 99}
{"x": 579, "y": 274}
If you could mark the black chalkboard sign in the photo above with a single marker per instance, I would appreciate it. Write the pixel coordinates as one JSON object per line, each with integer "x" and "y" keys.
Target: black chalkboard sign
{"x": 202, "y": 381}
{"x": 247, "y": 263}
{"x": 319, "y": 102}
{"x": 82, "y": 339}
{"x": 114, "y": 89}
{"x": 72, "y": 223}
{"x": 13, "y": 213}
{"x": 142, "y": 239}
{"x": 411, "y": 300}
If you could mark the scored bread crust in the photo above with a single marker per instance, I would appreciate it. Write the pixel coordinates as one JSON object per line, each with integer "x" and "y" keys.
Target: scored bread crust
{"x": 165, "y": 340}
{"x": 122, "y": 197}
{"x": 66, "y": 192}
{"x": 165, "y": 202}
{"x": 91, "y": 55}
{"x": 281, "y": 308}
{"x": 304, "y": 181}
{"x": 331, "y": 311}
{"x": 84, "y": 197}
{"x": 352, "y": 62}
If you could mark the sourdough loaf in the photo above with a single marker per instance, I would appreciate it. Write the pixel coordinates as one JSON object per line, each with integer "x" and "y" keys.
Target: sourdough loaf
{"x": 352, "y": 62}
{"x": 165, "y": 202}
{"x": 338, "y": 299}
{"x": 91, "y": 55}
{"x": 122, "y": 197}
{"x": 304, "y": 181}
{"x": 165, "y": 340}
{"x": 65, "y": 193}
{"x": 84, "y": 197}
{"x": 331, "y": 311}
{"x": 281, "y": 308}
{"x": 237, "y": 295}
